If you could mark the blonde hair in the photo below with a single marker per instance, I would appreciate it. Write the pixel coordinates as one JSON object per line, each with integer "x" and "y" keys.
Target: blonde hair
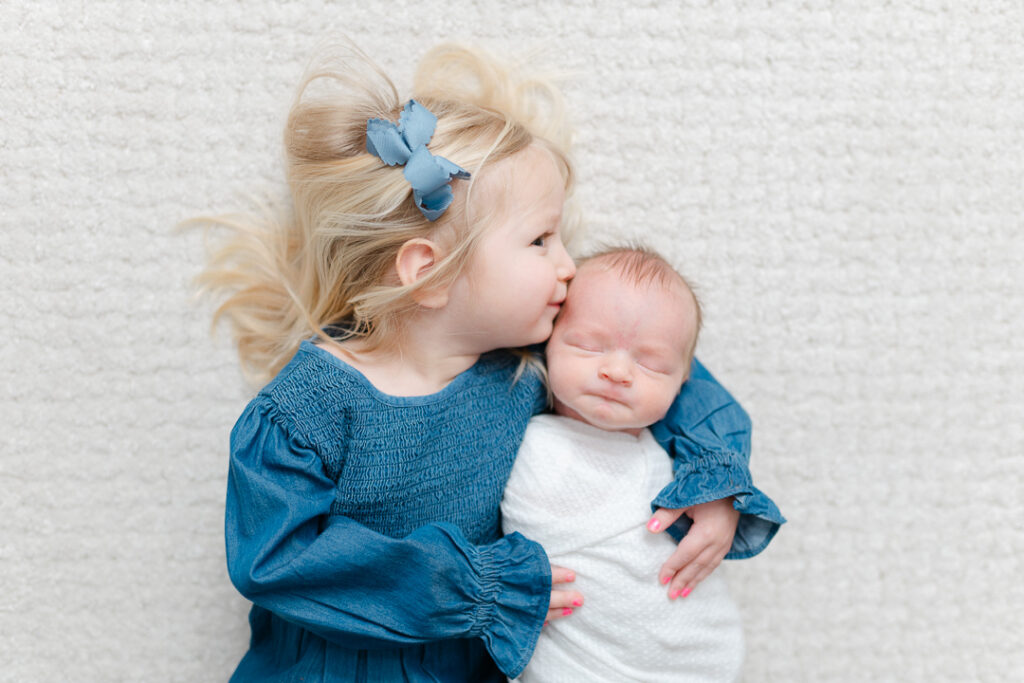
{"x": 329, "y": 259}
{"x": 643, "y": 266}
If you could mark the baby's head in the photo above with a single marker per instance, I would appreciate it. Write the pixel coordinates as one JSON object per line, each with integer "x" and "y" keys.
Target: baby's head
{"x": 624, "y": 340}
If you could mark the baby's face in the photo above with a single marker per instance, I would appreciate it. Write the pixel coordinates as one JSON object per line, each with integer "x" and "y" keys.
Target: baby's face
{"x": 618, "y": 353}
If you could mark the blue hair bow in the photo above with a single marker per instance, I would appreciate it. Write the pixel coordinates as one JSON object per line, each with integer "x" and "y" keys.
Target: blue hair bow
{"x": 406, "y": 144}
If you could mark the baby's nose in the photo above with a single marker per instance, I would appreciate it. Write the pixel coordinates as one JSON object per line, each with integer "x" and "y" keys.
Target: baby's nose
{"x": 617, "y": 369}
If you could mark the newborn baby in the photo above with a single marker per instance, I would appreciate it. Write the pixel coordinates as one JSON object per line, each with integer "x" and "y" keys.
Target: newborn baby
{"x": 584, "y": 477}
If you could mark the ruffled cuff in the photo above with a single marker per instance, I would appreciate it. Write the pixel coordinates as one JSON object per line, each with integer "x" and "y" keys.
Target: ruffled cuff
{"x": 515, "y": 579}
{"x": 714, "y": 476}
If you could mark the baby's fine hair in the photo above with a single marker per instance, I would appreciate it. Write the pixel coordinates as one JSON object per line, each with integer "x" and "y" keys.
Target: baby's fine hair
{"x": 329, "y": 259}
{"x": 643, "y": 266}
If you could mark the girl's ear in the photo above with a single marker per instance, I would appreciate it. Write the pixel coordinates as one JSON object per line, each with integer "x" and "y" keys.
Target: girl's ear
{"x": 415, "y": 260}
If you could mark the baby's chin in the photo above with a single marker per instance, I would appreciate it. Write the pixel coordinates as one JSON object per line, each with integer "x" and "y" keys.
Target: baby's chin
{"x": 608, "y": 425}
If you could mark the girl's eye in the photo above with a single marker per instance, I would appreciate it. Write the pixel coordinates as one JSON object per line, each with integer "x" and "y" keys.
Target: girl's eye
{"x": 542, "y": 241}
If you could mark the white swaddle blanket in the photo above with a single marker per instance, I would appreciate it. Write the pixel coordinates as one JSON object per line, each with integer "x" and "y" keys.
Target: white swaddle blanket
{"x": 584, "y": 494}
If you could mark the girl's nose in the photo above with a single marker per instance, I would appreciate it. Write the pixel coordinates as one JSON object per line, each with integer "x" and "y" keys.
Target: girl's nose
{"x": 565, "y": 269}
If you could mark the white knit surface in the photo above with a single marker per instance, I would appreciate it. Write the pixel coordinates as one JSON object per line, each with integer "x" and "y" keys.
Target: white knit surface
{"x": 842, "y": 179}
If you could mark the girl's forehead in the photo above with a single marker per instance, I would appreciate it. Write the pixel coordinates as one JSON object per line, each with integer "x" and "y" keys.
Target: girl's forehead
{"x": 525, "y": 189}
{"x": 530, "y": 171}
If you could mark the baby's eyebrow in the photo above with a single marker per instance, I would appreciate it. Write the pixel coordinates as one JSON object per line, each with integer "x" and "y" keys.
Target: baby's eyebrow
{"x": 587, "y": 328}
{"x": 655, "y": 348}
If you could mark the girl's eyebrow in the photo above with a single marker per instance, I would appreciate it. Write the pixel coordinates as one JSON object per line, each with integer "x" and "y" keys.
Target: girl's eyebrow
{"x": 537, "y": 223}
{"x": 554, "y": 216}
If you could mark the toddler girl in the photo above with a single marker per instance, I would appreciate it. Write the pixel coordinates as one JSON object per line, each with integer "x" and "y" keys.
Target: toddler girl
{"x": 621, "y": 349}
{"x": 366, "y": 477}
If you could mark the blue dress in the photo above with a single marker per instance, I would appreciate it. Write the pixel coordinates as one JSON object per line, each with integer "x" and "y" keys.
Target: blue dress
{"x": 365, "y": 527}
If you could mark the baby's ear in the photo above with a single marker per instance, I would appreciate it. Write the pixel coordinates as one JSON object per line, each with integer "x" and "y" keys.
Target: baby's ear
{"x": 416, "y": 260}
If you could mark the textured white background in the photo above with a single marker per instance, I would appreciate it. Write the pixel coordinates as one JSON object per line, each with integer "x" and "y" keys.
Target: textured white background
{"x": 843, "y": 179}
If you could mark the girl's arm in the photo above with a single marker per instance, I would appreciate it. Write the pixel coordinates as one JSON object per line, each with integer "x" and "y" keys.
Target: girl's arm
{"x": 359, "y": 588}
{"x": 707, "y": 433}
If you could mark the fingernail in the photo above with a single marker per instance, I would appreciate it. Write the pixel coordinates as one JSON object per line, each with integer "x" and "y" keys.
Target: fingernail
{"x": 566, "y": 612}
{"x": 686, "y": 591}
{"x": 570, "y": 576}
{"x": 546, "y": 623}
{"x": 665, "y": 580}
{"x": 577, "y": 602}
{"x": 673, "y": 594}
{"x": 654, "y": 525}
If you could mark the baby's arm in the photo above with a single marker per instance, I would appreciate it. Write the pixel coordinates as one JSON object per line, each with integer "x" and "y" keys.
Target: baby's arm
{"x": 363, "y": 589}
{"x": 707, "y": 433}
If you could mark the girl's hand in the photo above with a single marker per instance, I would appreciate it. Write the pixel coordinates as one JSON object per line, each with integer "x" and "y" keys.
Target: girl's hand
{"x": 562, "y": 601}
{"x": 703, "y": 546}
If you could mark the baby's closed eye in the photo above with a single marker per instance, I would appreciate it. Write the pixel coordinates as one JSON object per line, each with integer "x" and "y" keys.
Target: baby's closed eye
{"x": 588, "y": 345}
{"x": 656, "y": 365}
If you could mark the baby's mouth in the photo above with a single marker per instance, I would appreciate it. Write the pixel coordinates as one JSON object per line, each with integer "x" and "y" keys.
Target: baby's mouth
{"x": 610, "y": 397}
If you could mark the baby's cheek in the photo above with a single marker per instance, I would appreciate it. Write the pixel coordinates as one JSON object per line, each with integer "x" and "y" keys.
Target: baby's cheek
{"x": 577, "y": 381}
{"x": 660, "y": 400}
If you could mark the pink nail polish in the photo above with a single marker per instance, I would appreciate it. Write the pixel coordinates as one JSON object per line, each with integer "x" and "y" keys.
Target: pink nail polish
{"x": 666, "y": 580}
{"x": 654, "y": 525}
{"x": 577, "y": 603}
{"x": 686, "y": 591}
{"x": 566, "y": 612}
{"x": 673, "y": 594}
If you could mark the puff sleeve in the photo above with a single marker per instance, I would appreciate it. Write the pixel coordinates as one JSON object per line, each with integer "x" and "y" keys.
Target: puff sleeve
{"x": 362, "y": 589}
{"x": 707, "y": 433}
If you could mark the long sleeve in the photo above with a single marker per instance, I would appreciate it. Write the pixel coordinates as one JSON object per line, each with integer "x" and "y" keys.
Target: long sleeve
{"x": 358, "y": 588}
{"x": 707, "y": 433}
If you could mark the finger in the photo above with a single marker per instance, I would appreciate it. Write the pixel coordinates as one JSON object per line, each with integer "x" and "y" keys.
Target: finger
{"x": 686, "y": 552}
{"x": 560, "y": 613}
{"x": 685, "y": 581}
{"x": 565, "y": 600}
{"x": 690, "y": 577}
{"x": 562, "y": 575}
{"x": 703, "y": 574}
{"x": 663, "y": 518}
{"x": 563, "y": 603}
